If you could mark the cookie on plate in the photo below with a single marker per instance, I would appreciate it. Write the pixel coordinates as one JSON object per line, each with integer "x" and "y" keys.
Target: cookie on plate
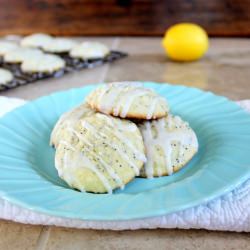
{"x": 6, "y": 46}
{"x": 37, "y": 40}
{"x": 170, "y": 143}
{"x": 59, "y": 45}
{"x": 68, "y": 120}
{"x": 21, "y": 54}
{"x": 43, "y": 64}
{"x": 5, "y": 76}
{"x": 128, "y": 100}
{"x": 101, "y": 153}
{"x": 89, "y": 50}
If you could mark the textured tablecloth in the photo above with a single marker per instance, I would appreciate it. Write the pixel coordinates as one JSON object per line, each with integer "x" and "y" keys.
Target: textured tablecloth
{"x": 230, "y": 212}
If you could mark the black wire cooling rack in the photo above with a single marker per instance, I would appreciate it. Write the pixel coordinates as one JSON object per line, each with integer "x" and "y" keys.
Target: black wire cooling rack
{"x": 72, "y": 64}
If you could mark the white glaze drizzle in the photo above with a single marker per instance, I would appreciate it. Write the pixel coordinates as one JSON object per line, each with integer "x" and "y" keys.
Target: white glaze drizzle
{"x": 74, "y": 163}
{"x": 170, "y": 123}
{"x": 68, "y": 145}
{"x": 55, "y": 130}
{"x": 130, "y": 99}
{"x": 101, "y": 136}
{"x": 71, "y": 178}
{"x": 68, "y": 119}
{"x": 64, "y": 174}
{"x": 140, "y": 156}
{"x": 58, "y": 167}
{"x": 123, "y": 95}
{"x": 127, "y": 95}
{"x": 148, "y": 138}
{"x": 107, "y": 100}
{"x": 101, "y": 94}
{"x": 159, "y": 171}
{"x": 129, "y": 127}
{"x": 88, "y": 164}
{"x": 80, "y": 137}
{"x": 164, "y": 139}
{"x": 152, "y": 109}
{"x": 116, "y": 109}
{"x": 109, "y": 169}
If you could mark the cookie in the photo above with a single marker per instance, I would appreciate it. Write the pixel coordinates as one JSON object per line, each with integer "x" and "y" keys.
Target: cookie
{"x": 59, "y": 45}
{"x": 37, "y": 40}
{"x": 6, "y": 46}
{"x": 101, "y": 153}
{"x": 128, "y": 100}
{"x": 46, "y": 64}
{"x": 170, "y": 143}
{"x": 5, "y": 76}
{"x": 68, "y": 120}
{"x": 21, "y": 54}
{"x": 89, "y": 50}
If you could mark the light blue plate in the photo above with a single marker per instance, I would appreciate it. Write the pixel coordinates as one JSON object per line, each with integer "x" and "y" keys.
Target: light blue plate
{"x": 28, "y": 176}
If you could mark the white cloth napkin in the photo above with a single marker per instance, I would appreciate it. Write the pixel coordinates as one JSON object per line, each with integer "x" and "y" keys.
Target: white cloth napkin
{"x": 231, "y": 212}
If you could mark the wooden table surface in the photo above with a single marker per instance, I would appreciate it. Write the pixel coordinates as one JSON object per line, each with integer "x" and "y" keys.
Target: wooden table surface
{"x": 225, "y": 70}
{"x": 123, "y": 17}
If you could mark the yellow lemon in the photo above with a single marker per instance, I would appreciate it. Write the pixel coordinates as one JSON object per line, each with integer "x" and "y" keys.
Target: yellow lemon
{"x": 185, "y": 42}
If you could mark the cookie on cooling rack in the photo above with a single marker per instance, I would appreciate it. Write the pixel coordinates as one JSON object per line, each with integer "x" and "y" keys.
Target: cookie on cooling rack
{"x": 5, "y": 76}
{"x": 37, "y": 40}
{"x": 6, "y": 46}
{"x": 43, "y": 64}
{"x": 21, "y": 54}
{"x": 89, "y": 50}
{"x": 101, "y": 153}
{"x": 128, "y": 100}
{"x": 59, "y": 45}
{"x": 68, "y": 120}
{"x": 170, "y": 143}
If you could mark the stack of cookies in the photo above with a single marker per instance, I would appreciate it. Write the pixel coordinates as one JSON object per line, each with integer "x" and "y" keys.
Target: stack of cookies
{"x": 122, "y": 131}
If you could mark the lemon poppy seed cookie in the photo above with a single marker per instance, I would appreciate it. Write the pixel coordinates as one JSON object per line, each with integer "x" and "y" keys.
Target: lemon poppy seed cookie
{"x": 44, "y": 64}
{"x": 128, "y": 100}
{"x": 5, "y": 76}
{"x": 89, "y": 50}
{"x": 68, "y": 120}
{"x": 101, "y": 153}
{"x": 37, "y": 40}
{"x": 21, "y": 54}
{"x": 170, "y": 143}
{"x": 6, "y": 46}
{"x": 59, "y": 45}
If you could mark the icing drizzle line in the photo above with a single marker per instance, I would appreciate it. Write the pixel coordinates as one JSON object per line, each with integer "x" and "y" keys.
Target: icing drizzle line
{"x": 68, "y": 119}
{"x": 99, "y": 135}
{"x": 163, "y": 140}
{"x": 118, "y": 98}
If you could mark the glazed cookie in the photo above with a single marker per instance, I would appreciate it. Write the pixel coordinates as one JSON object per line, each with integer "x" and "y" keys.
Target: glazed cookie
{"x": 44, "y": 64}
{"x": 89, "y": 50}
{"x": 21, "y": 54}
{"x": 59, "y": 45}
{"x": 6, "y": 46}
{"x": 5, "y": 76}
{"x": 36, "y": 40}
{"x": 101, "y": 153}
{"x": 128, "y": 100}
{"x": 68, "y": 120}
{"x": 170, "y": 143}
